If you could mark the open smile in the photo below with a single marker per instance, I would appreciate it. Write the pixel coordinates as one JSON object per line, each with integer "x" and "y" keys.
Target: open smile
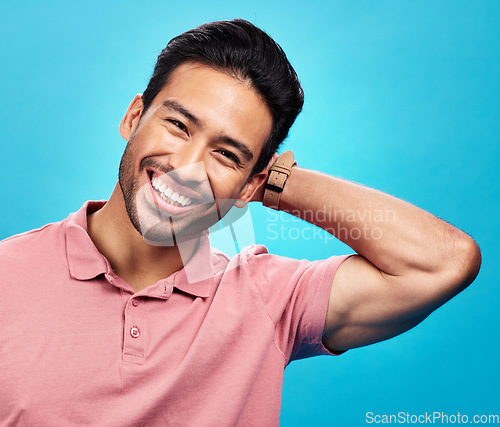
{"x": 167, "y": 194}
{"x": 173, "y": 197}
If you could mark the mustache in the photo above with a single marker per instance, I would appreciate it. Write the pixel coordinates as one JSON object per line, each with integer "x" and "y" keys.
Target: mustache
{"x": 149, "y": 162}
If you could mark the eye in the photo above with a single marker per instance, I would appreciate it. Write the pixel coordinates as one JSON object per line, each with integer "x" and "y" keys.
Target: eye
{"x": 230, "y": 156}
{"x": 179, "y": 124}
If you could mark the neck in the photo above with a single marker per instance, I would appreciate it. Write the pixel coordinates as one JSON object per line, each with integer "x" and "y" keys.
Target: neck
{"x": 131, "y": 258}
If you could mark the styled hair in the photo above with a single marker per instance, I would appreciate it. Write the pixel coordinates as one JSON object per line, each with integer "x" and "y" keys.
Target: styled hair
{"x": 247, "y": 53}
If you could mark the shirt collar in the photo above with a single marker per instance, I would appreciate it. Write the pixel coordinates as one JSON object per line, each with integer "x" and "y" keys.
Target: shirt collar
{"x": 86, "y": 262}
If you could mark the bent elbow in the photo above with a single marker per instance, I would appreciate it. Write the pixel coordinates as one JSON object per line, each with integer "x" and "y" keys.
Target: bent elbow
{"x": 472, "y": 259}
{"x": 467, "y": 261}
{"x": 457, "y": 272}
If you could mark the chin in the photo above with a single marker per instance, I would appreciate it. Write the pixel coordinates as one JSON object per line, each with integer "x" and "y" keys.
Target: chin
{"x": 162, "y": 235}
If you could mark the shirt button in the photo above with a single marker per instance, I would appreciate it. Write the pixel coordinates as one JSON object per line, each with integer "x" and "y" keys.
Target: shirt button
{"x": 134, "y": 332}
{"x": 135, "y": 302}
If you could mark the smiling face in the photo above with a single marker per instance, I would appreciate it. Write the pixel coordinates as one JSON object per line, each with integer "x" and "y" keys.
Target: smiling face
{"x": 189, "y": 156}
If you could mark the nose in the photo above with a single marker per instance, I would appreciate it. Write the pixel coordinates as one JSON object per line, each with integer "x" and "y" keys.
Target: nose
{"x": 188, "y": 163}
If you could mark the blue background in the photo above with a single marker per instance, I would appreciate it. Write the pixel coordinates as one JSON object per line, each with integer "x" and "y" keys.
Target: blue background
{"x": 402, "y": 96}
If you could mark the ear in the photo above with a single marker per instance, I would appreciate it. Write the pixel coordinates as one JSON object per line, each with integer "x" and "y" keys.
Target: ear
{"x": 247, "y": 193}
{"x": 130, "y": 120}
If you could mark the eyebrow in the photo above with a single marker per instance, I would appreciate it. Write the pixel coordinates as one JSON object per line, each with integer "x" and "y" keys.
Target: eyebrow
{"x": 245, "y": 151}
{"x": 243, "y": 148}
{"x": 174, "y": 105}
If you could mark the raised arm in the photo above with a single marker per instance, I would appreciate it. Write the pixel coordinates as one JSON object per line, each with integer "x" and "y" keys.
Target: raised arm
{"x": 409, "y": 262}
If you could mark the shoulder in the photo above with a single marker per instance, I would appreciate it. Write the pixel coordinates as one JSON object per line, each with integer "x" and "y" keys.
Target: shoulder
{"x": 259, "y": 254}
{"x": 277, "y": 274}
{"x": 28, "y": 236}
{"x": 31, "y": 244}
{"x": 258, "y": 258}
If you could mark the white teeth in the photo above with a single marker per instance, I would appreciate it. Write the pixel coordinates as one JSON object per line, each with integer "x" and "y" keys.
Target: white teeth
{"x": 167, "y": 194}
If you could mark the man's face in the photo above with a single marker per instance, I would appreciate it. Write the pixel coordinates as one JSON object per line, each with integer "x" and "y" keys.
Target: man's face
{"x": 188, "y": 158}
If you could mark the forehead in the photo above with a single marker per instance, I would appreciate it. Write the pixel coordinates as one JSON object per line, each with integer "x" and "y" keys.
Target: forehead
{"x": 222, "y": 102}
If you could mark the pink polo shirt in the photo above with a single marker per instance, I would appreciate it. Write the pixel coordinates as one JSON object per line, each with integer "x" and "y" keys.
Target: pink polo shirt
{"x": 79, "y": 347}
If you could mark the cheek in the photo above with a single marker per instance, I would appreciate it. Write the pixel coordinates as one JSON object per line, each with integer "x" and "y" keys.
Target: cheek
{"x": 154, "y": 139}
{"x": 226, "y": 183}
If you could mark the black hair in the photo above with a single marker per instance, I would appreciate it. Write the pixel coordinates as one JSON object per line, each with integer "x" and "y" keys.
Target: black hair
{"x": 246, "y": 52}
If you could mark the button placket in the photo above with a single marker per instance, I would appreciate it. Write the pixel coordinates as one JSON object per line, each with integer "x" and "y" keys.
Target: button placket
{"x": 133, "y": 343}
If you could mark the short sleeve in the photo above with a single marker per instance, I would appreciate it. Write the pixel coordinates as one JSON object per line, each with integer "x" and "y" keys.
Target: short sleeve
{"x": 296, "y": 295}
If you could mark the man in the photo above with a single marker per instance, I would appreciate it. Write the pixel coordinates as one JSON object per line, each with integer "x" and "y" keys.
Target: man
{"x": 123, "y": 315}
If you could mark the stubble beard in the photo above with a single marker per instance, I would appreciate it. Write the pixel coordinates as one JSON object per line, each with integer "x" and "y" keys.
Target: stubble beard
{"x": 163, "y": 233}
{"x": 128, "y": 185}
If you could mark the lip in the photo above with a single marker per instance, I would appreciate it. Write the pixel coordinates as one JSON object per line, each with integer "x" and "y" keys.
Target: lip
{"x": 167, "y": 207}
{"x": 182, "y": 190}
{"x": 196, "y": 199}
